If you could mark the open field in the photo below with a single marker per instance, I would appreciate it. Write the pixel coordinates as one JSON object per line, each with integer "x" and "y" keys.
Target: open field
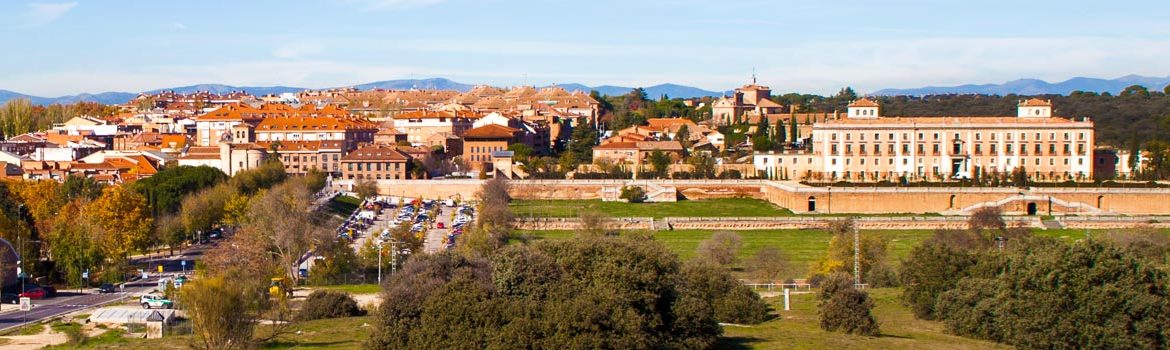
{"x": 720, "y": 207}
{"x": 800, "y": 329}
{"x": 726, "y": 207}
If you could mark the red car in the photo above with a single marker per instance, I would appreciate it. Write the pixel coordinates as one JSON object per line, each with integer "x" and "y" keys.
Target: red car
{"x": 440, "y": 225}
{"x": 34, "y": 293}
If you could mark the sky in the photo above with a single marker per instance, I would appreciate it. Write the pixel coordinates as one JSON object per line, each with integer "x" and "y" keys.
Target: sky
{"x": 58, "y": 48}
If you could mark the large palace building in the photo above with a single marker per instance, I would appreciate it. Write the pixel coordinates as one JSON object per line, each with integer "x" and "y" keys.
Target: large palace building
{"x": 866, "y": 146}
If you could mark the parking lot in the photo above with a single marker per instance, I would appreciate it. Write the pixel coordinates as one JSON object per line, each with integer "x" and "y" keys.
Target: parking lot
{"x": 438, "y": 222}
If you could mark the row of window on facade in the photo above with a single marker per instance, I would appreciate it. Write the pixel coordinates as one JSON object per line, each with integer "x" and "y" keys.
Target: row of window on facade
{"x": 993, "y": 149}
{"x": 376, "y": 177}
{"x": 905, "y": 161}
{"x": 373, "y": 166}
{"x": 978, "y": 136}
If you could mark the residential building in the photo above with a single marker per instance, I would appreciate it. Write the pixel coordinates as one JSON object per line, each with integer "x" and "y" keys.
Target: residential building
{"x": 637, "y": 152}
{"x": 299, "y": 157}
{"x": 375, "y": 162}
{"x": 479, "y": 143}
{"x": 421, "y": 126}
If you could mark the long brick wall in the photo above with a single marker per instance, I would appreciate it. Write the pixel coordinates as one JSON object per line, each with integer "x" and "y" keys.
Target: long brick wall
{"x": 832, "y": 200}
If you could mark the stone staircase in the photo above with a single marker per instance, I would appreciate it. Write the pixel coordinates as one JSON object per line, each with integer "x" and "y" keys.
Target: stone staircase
{"x": 654, "y": 192}
{"x": 1052, "y": 224}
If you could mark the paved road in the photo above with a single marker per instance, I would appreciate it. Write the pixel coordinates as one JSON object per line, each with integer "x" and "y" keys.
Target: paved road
{"x": 71, "y": 300}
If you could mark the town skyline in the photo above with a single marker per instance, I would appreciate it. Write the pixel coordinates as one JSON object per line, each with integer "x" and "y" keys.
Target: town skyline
{"x": 791, "y": 47}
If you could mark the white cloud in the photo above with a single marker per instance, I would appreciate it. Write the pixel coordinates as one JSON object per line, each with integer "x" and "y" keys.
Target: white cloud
{"x": 180, "y": 25}
{"x": 40, "y": 13}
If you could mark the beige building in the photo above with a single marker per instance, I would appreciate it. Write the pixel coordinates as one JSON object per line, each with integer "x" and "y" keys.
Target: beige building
{"x": 866, "y": 146}
{"x": 749, "y": 100}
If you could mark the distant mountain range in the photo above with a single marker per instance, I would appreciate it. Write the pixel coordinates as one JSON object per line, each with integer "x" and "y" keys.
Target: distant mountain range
{"x": 1038, "y": 87}
{"x": 656, "y": 91}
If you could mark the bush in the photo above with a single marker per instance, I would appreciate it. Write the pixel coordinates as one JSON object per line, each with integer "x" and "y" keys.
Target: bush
{"x": 1051, "y": 295}
{"x": 584, "y": 293}
{"x": 732, "y": 301}
{"x": 843, "y": 308}
{"x": 882, "y": 276}
{"x": 721, "y": 248}
{"x": 323, "y": 304}
{"x": 633, "y": 194}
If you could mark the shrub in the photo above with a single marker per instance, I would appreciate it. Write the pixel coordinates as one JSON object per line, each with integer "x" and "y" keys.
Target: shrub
{"x": 732, "y": 301}
{"x": 633, "y": 194}
{"x": 323, "y": 304}
{"x": 721, "y": 247}
{"x": 843, "y": 308}
{"x": 1051, "y": 295}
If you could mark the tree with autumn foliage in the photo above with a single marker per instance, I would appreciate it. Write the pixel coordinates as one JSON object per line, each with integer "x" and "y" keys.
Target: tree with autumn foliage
{"x": 125, "y": 221}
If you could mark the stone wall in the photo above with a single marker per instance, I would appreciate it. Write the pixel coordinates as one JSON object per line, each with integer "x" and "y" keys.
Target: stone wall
{"x": 832, "y": 200}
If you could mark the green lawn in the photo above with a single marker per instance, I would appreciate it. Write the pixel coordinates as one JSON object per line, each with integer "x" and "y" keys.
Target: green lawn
{"x": 724, "y": 207}
{"x": 369, "y": 288}
{"x": 720, "y": 207}
{"x": 343, "y": 205}
{"x": 800, "y": 329}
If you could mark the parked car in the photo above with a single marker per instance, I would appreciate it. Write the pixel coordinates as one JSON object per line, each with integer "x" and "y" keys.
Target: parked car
{"x": 33, "y": 293}
{"x": 10, "y": 298}
{"x": 106, "y": 288}
{"x": 150, "y": 301}
{"x": 440, "y": 225}
{"x": 50, "y": 291}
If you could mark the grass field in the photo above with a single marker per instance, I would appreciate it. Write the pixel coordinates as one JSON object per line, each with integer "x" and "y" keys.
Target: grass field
{"x": 369, "y": 288}
{"x": 800, "y": 329}
{"x": 725, "y": 207}
{"x": 343, "y": 205}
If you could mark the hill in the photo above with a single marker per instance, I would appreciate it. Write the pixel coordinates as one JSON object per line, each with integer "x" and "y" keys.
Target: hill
{"x": 672, "y": 90}
{"x": 1037, "y": 87}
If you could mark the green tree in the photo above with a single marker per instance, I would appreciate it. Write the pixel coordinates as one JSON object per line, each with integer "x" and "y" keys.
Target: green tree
{"x": 844, "y": 308}
{"x": 932, "y": 268}
{"x": 683, "y": 135}
{"x": 780, "y": 137}
{"x": 660, "y": 162}
{"x": 1046, "y": 294}
{"x": 581, "y": 142}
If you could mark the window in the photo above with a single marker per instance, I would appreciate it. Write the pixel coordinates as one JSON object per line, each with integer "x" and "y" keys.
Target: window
{"x": 919, "y": 136}
{"x": 834, "y": 149}
{"x": 349, "y": 166}
{"x": 936, "y": 136}
{"x": 936, "y": 149}
{"x": 1066, "y": 136}
{"x": 1038, "y": 150}
{"x": 848, "y": 149}
{"x": 921, "y": 148}
{"x": 847, "y": 135}
{"x": 978, "y": 149}
{"x": 1080, "y": 136}
{"x": 861, "y": 136}
{"x": 1067, "y": 149}
{"x": 905, "y": 148}
{"x": 977, "y": 136}
{"x": 1008, "y": 149}
{"x": 834, "y": 137}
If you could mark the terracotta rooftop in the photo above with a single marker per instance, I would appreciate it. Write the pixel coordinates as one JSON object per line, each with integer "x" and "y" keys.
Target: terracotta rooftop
{"x": 863, "y": 102}
{"x": 1035, "y": 102}
{"x": 491, "y": 131}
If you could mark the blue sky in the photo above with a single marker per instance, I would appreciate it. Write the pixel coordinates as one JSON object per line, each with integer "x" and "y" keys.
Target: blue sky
{"x": 817, "y": 46}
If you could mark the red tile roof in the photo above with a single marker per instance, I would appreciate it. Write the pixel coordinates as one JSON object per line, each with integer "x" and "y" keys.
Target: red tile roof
{"x": 491, "y": 131}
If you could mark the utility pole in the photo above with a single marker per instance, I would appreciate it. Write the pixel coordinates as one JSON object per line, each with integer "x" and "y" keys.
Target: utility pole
{"x": 856, "y": 254}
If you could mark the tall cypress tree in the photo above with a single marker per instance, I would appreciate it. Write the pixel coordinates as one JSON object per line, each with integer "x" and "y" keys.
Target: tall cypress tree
{"x": 781, "y": 136}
